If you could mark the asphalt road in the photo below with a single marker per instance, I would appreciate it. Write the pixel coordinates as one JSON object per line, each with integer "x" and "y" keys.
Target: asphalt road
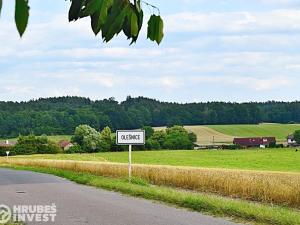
{"x": 80, "y": 205}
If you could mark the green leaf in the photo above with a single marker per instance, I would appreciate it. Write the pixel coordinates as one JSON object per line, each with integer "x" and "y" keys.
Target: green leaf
{"x": 75, "y": 9}
{"x": 21, "y": 15}
{"x": 126, "y": 28}
{"x": 98, "y": 19}
{"x": 160, "y": 30}
{"x": 115, "y": 10}
{"x": 134, "y": 24}
{"x": 140, "y": 19}
{"x": 151, "y": 28}
{"x": 117, "y": 24}
{"x": 140, "y": 24}
{"x": 155, "y": 29}
{"x": 94, "y": 23}
{"x": 91, "y": 7}
{"x": 104, "y": 7}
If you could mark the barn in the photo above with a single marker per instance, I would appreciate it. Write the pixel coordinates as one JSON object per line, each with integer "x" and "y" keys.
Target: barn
{"x": 255, "y": 142}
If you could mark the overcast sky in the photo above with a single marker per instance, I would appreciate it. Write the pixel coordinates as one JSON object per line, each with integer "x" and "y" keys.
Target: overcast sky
{"x": 220, "y": 50}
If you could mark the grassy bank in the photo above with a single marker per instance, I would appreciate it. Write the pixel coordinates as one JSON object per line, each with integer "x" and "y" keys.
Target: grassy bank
{"x": 270, "y": 187}
{"x": 210, "y": 204}
{"x": 268, "y": 159}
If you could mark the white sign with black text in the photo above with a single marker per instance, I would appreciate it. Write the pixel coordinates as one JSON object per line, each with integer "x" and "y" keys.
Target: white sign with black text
{"x": 130, "y": 137}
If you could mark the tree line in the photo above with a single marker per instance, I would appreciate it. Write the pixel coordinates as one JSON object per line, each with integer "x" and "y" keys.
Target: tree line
{"x": 88, "y": 140}
{"x": 61, "y": 115}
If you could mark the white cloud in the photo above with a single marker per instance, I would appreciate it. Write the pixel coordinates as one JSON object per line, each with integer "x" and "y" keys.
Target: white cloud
{"x": 256, "y": 84}
{"x": 235, "y": 22}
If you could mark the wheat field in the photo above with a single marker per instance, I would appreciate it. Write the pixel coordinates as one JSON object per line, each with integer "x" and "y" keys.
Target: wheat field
{"x": 281, "y": 188}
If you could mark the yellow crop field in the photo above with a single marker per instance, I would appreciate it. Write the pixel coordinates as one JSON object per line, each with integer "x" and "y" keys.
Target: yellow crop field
{"x": 282, "y": 188}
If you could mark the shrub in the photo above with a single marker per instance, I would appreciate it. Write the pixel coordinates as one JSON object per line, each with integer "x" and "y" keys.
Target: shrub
{"x": 152, "y": 144}
{"x": 297, "y": 136}
{"x": 87, "y": 137}
{"x": 28, "y": 145}
{"x": 91, "y": 140}
{"x": 105, "y": 140}
{"x": 3, "y": 151}
{"x": 115, "y": 147}
{"x": 74, "y": 149}
{"x": 177, "y": 138}
{"x": 159, "y": 136}
{"x": 149, "y": 131}
{"x": 193, "y": 137}
{"x": 50, "y": 148}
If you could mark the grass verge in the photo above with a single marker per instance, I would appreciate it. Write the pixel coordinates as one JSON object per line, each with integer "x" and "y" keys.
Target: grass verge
{"x": 205, "y": 203}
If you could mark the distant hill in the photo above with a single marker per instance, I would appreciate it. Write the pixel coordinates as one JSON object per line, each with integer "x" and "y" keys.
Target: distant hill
{"x": 224, "y": 134}
{"x": 57, "y": 116}
{"x": 280, "y": 131}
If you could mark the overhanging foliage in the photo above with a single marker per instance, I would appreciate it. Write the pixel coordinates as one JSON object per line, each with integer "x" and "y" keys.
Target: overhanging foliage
{"x": 110, "y": 17}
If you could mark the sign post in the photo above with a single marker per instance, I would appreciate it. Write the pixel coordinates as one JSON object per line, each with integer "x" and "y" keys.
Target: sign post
{"x": 7, "y": 153}
{"x": 129, "y": 163}
{"x": 130, "y": 137}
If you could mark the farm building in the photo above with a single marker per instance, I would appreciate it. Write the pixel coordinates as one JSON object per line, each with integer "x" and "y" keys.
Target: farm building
{"x": 7, "y": 143}
{"x": 65, "y": 145}
{"x": 291, "y": 140}
{"x": 255, "y": 142}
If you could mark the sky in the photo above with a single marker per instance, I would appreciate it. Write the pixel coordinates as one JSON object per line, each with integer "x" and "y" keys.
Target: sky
{"x": 221, "y": 50}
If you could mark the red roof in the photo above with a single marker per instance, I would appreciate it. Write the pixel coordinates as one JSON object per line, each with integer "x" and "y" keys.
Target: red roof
{"x": 7, "y": 143}
{"x": 255, "y": 141}
{"x": 64, "y": 143}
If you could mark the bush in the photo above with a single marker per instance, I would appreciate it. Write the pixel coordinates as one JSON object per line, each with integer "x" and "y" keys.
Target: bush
{"x": 50, "y": 148}
{"x": 177, "y": 138}
{"x": 193, "y": 137}
{"x": 91, "y": 140}
{"x": 115, "y": 147}
{"x": 149, "y": 131}
{"x": 74, "y": 149}
{"x": 105, "y": 140}
{"x": 3, "y": 151}
{"x": 159, "y": 136}
{"x": 28, "y": 145}
{"x": 297, "y": 136}
{"x": 152, "y": 144}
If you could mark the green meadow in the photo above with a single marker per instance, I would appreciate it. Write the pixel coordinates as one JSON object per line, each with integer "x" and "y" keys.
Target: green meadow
{"x": 267, "y": 160}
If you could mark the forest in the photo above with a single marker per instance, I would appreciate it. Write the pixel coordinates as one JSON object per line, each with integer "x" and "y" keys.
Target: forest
{"x": 61, "y": 115}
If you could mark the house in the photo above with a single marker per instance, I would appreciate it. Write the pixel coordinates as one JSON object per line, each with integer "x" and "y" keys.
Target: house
{"x": 291, "y": 140}
{"x": 65, "y": 145}
{"x": 261, "y": 142}
{"x": 7, "y": 143}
